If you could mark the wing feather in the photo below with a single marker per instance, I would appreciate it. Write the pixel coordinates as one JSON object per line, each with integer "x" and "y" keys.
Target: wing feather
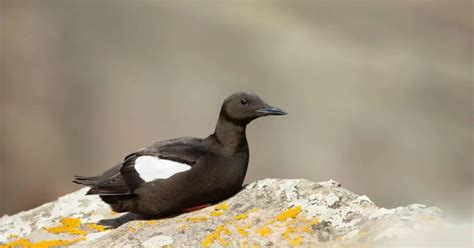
{"x": 123, "y": 179}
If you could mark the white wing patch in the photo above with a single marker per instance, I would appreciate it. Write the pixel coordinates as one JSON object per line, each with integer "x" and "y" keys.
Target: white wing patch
{"x": 150, "y": 168}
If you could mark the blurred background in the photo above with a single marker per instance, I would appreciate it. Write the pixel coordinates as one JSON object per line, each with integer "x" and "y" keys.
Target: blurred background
{"x": 379, "y": 92}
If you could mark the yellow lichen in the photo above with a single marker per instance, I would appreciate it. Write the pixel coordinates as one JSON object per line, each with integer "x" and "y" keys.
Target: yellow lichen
{"x": 253, "y": 210}
{"x": 223, "y": 242}
{"x": 271, "y": 222}
{"x": 314, "y": 221}
{"x": 197, "y": 219}
{"x": 216, "y": 213}
{"x": 241, "y": 231}
{"x": 131, "y": 229}
{"x": 41, "y": 244}
{"x": 68, "y": 225}
{"x": 140, "y": 224}
{"x": 219, "y": 209}
{"x": 244, "y": 244}
{"x": 286, "y": 234}
{"x": 241, "y": 216}
{"x": 296, "y": 241}
{"x": 13, "y": 236}
{"x": 99, "y": 228}
{"x": 222, "y": 206}
{"x": 290, "y": 222}
{"x": 183, "y": 227}
{"x": 264, "y": 231}
{"x": 306, "y": 229}
{"x": 114, "y": 213}
{"x": 216, "y": 235}
{"x": 289, "y": 213}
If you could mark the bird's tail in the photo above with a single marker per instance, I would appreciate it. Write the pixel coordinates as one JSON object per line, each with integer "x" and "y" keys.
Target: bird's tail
{"x": 88, "y": 181}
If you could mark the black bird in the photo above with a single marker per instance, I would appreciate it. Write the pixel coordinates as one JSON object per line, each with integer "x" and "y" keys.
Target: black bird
{"x": 178, "y": 174}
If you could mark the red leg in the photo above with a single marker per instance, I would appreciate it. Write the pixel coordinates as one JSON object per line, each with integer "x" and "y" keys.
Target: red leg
{"x": 186, "y": 210}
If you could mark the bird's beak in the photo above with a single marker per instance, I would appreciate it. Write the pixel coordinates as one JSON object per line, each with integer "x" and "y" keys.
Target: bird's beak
{"x": 269, "y": 110}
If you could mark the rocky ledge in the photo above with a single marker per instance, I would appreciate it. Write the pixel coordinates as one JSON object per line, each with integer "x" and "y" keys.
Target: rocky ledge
{"x": 269, "y": 212}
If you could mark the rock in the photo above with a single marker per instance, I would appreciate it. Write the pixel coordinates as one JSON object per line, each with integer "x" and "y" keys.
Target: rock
{"x": 269, "y": 212}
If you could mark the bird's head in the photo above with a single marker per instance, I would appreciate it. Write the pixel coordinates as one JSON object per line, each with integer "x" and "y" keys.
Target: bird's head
{"x": 242, "y": 108}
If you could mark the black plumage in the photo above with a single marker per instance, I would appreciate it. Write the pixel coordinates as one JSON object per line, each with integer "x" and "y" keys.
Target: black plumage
{"x": 217, "y": 165}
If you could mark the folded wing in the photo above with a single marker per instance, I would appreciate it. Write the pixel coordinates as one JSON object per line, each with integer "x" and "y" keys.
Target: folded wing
{"x": 159, "y": 161}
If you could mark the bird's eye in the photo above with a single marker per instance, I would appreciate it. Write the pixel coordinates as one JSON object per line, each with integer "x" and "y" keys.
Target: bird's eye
{"x": 243, "y": 101}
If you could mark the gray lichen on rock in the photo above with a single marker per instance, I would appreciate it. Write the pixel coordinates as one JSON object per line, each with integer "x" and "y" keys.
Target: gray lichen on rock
{"x": 269, "y": 212}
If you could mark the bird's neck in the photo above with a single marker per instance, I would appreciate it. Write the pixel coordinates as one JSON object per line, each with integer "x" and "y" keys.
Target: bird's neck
{"x": 230, "y": 136}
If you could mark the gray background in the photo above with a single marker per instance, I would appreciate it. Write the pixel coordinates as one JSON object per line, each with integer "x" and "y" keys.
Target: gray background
{"x": 379, "y": 92}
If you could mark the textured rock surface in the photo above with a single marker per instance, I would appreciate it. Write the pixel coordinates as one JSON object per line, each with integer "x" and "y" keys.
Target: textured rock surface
{"x": 270, "y": 212}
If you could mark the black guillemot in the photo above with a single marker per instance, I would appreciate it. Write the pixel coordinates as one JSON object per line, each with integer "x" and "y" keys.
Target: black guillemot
{"x": 182, "y": 173}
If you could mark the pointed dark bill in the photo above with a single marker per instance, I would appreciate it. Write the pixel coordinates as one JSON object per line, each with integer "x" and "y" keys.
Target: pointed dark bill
{"x": 272, "y": 111}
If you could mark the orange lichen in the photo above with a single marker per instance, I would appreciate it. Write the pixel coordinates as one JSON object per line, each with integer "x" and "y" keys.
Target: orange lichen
{"x": 197, "y": 219}
{"x": 68, "y": 225}
{"x": 17, "y": 243}
{"x": 289, "y": 213}
{"x": 241, "y": 231}
{"x": 151, "y": 222}
{"x": 289, "y": 230}
{"x": 296, "y": 241}
{"x": 99, "y": 228}
{"x": 308, "y": 228}
{"x": 41, "y": 244}
{"x": 264, "y": 231}
{"x": 216, "y": 236}
{"x": 241, "y": 216}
